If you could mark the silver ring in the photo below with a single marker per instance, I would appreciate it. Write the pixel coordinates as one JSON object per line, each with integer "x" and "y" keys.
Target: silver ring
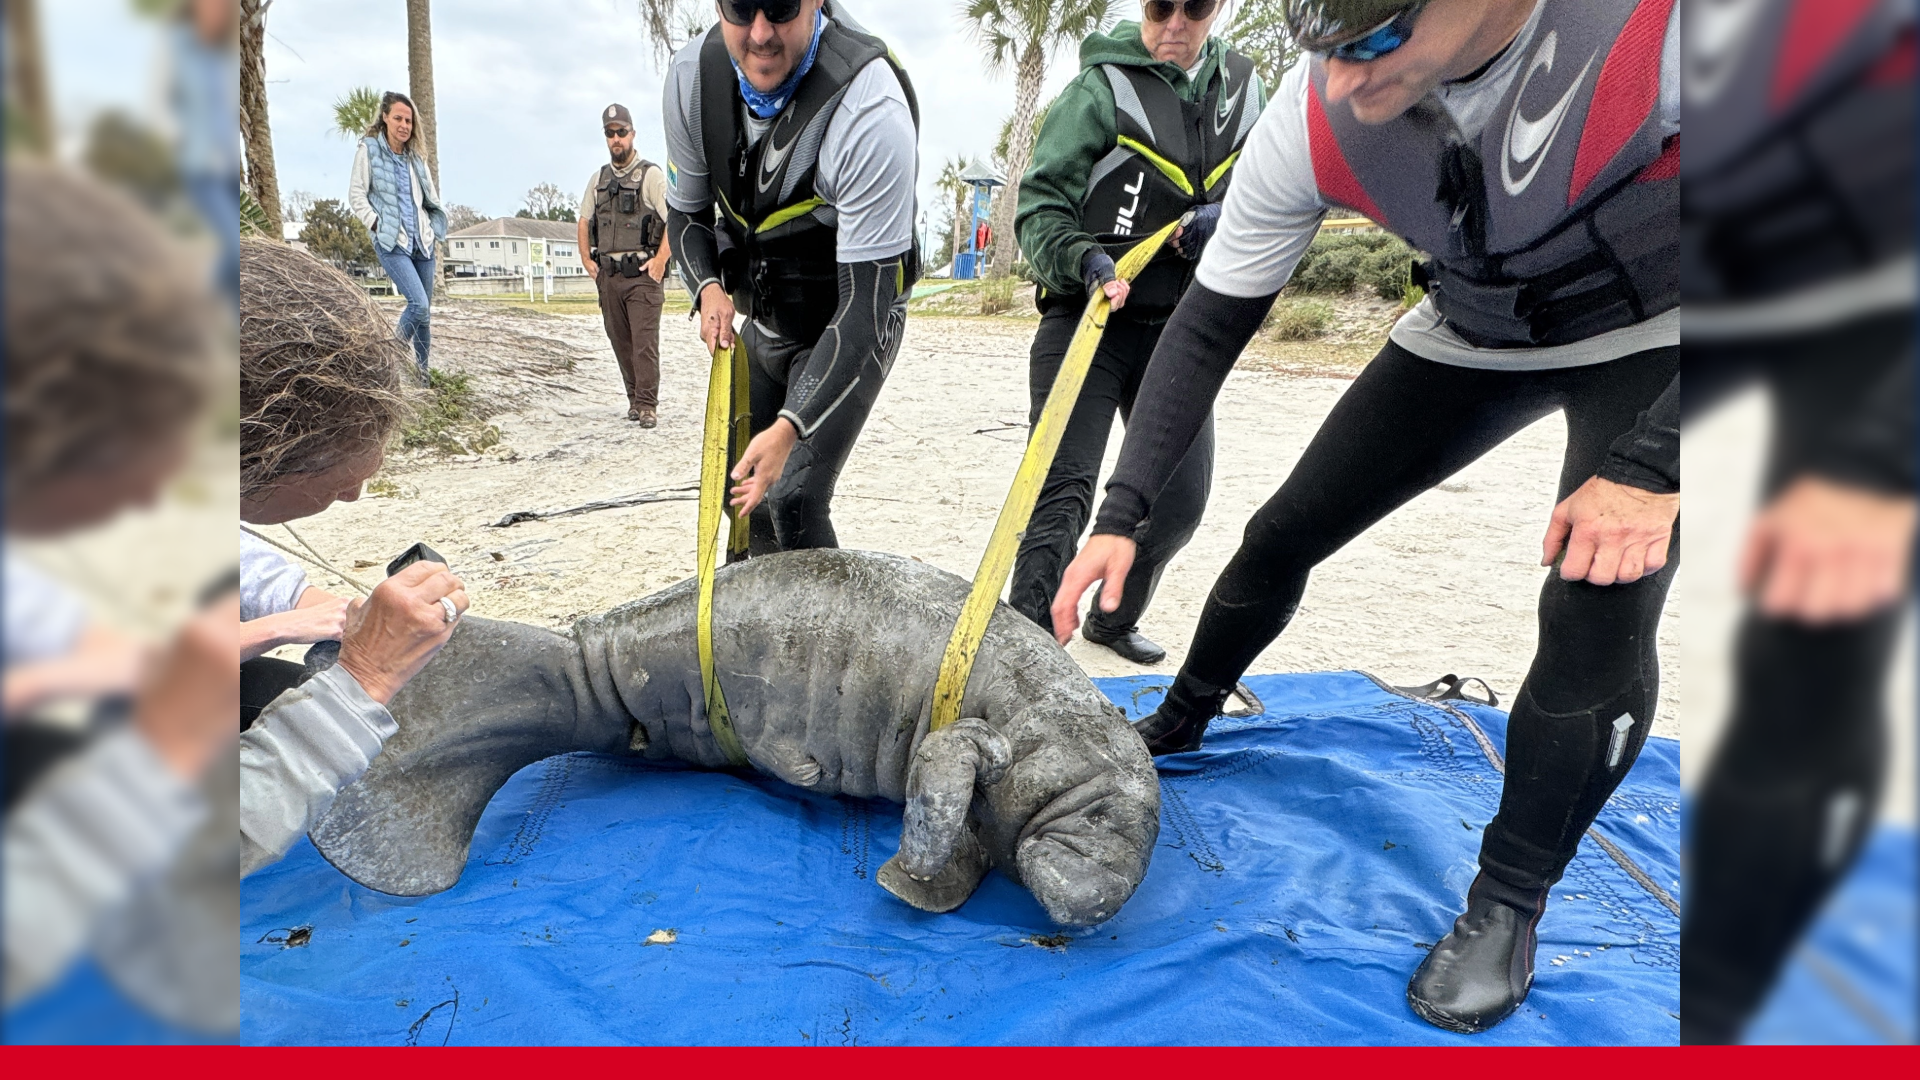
{"x": 452, "y": 613}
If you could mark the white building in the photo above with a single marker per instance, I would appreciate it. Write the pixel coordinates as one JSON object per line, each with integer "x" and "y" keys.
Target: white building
{"x": 503, "y": 246}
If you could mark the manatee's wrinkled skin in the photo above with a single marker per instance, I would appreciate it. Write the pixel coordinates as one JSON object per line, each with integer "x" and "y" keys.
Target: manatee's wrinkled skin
{"x": 828, "y": 660}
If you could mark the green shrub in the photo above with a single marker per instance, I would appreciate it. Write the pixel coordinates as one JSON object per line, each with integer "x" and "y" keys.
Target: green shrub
{"x": 1336, "y": 262}
{"x": 449, "y": 405}
{"x": 1299, "y": 320}
{"x": 996, "y": 295}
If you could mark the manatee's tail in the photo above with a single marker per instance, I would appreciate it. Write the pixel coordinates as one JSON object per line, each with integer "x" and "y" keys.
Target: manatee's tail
{"x": 498, "y": 697}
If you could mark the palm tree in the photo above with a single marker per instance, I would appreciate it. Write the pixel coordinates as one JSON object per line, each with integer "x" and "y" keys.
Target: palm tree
{"x": 420, "y": 83}
{"x": 1259, "y": 31}
{"x": 353, "y": 112}
{"x": 1023, "y": 34}
{"x": 951, "y": 183}
{"x": 255, "y": 132}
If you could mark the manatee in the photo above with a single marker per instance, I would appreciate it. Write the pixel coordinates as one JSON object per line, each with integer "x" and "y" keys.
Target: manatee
{"x": 828, "y": 660}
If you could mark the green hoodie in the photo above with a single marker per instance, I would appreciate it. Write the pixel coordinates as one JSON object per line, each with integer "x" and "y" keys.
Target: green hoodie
{"x": 1078, "y": 132}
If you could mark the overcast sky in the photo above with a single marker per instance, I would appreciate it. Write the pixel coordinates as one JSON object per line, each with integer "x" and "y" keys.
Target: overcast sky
{"x": 520, "y": 84}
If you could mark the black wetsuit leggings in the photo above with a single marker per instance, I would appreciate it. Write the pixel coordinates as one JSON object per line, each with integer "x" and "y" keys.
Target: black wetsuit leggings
{"x": 795, "y": 513}
{"x": 1405, "y": 425}
{"x": 1792, "y": 790}
{"x": 1066, "y": 498}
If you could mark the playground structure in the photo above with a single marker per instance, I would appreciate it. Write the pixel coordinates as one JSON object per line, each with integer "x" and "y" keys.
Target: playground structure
{"x": 972, "y": 263}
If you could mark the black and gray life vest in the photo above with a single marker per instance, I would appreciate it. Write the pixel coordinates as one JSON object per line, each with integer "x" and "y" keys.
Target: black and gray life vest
{"x": 779, "y": 257}
{"x": 1561, "y": 220}
{"x": 622, "y": 221}
{"x": 1800, "y": 168}
{"x": 1170, "y": 156}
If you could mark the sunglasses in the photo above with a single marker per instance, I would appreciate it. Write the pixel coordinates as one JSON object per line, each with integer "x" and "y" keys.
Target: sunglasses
{"x": 1381, "y": 40}
{"x": 618, "y": 133}
{"x": 741, "y": 12}
{"x": 1197, "y": 10}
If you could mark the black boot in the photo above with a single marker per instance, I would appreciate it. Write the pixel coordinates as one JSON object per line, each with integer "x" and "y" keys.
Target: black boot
{"x": 1481, "y": 971}
{"x": 1130, "y": 644}
{"x": 1178, "y": 724}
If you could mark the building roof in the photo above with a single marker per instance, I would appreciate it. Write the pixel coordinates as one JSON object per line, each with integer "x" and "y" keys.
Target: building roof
{"x": 518, "y": 226}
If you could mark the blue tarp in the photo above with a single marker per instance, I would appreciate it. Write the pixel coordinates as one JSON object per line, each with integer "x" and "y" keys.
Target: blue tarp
{"x": 1307, "y": 860}
{"x": 1274, "y": 912}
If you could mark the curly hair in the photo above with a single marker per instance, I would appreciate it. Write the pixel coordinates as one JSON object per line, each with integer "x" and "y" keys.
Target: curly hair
{"x": 378, "y": 129}
{"x": 322, "y": 375}
{"x": 110, "y": 328}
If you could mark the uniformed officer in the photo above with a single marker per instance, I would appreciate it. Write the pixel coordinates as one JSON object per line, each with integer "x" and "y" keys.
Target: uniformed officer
{"x": 1531, "y": 148}
{"x": 1148, "y": 132}
{"x": 623, "y": 244}
{"x": 792, "y": 153}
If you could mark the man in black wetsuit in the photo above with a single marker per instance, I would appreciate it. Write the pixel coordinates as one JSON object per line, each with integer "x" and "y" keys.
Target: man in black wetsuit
{"x": 1531, "y": 148}
{"x": 1797, "y": 214}
{"x": 792, "y": 151}
{"x": 1146, "y": 134}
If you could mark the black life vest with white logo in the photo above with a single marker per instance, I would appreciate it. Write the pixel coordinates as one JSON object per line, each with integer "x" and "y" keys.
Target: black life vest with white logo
{"x": 1561, "y": 220}
{"x": 781, "y": 266}
{"x": 1170, "y": 156}
{"x": 1800, "y": 170}
{"x": 622, "y": 221}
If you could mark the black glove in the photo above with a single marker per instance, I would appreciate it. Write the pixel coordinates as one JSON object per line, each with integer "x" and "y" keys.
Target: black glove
{"x": 1096, "y": 269}
{"x": 1196, "y": 228}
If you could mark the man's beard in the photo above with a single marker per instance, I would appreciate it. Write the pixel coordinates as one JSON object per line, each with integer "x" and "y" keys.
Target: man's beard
{"x": 622, "y": 159}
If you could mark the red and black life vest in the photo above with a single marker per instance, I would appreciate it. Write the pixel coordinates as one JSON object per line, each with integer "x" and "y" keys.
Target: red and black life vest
{"x": 1800, "y": 168}
{"x": 1561, "y": 220}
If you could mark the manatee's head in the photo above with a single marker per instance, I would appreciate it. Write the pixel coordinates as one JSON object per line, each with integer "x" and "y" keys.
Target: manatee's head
{"x": 1079, "y": 810}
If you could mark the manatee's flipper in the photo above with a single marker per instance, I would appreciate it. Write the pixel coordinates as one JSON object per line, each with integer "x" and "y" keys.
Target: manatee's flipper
{"x": 940, "y": 783}
{"x": 948, "y": 889}
{"x": 498, "y": 697}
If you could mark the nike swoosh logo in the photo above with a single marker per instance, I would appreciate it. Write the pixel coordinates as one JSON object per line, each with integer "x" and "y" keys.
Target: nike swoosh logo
{"x": 1715, "y": 41}
{"x": 1226, "y": 107}
{"x": 776, "y": 154}
{"x": 1528, "y": 140}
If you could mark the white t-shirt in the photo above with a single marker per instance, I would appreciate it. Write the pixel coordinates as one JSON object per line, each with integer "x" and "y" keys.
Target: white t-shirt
{"x": 868, "y": 165}
{"x": 269, "y": 583}
{"x": 1274, "y": 208}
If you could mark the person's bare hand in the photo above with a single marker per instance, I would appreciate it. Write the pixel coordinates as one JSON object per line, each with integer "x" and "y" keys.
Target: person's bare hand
{"x": 324, "y": 620}
{"x": 1612, "y": 533}
{"x": 657, "y": 268}
{"x": 1823, "y": 552}
{"x": 392, "y": 634}
{"x": 1104, "y": 562}
{"x": 188, "y": 707}
{"x": 716, "y": 317}
{"x": 593, "y": 268}
{"x": 1116, "y": 291}
{"x": 762, "y": 463}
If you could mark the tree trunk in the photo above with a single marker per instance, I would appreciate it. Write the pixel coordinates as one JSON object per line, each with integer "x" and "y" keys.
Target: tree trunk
{"x": 1026, "y": 98}
{"x": 962, "y": 218}
{"x": 255, "y": 133}
{"x": 420, "y": 89}
{"x": 420, "y": 83}
{"x": 27, "y": 75}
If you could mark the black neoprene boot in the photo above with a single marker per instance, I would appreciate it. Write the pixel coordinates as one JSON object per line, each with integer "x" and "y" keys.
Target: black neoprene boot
{"x": 1130, "y": 644}
{"x": 1177, "y": 725}
{"x": 1481, "y": 971}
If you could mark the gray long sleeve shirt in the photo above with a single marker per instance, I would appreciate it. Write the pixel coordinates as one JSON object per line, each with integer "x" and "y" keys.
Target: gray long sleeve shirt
{"x": 309, "y": 743}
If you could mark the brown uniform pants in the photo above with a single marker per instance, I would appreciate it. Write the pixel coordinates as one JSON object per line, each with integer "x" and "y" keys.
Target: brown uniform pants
{"x": 630, "y": 307}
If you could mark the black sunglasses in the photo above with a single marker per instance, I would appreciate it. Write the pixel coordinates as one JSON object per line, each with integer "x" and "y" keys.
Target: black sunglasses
{"x": 618, "y": 133}
{"x": 741, "y": 12}
{"x": 1162, "y": 10}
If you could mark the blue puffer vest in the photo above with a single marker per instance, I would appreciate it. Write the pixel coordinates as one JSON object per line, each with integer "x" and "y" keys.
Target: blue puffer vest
{"x": 384, "y": 193}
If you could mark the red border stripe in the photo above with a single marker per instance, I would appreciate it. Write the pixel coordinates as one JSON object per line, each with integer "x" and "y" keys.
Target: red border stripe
{"x": 1331, "y": 173}
{"x": 1628, "y": 89}
{"x": 1814, "y": 30}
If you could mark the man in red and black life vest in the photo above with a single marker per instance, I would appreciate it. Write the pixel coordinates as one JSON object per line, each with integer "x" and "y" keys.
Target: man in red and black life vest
{"x": 792, "y": 150}
{"x": 1531, "y": 149}
{"x": 1797, "y": 224}
{"x": 1147, "y": 133}
{"x": 623, "y": 244}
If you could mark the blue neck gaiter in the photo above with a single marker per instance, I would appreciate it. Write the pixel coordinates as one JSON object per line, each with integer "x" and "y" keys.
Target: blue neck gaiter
{"x": 768, "y": 106}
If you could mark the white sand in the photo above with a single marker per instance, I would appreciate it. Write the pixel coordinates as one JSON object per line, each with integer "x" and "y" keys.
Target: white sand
{"x": 1447, "y": 584}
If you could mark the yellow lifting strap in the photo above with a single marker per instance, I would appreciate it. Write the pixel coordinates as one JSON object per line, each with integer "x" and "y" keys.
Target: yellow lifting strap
{"x": 727, "y": 420}
{"x": 956, "y": 665}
